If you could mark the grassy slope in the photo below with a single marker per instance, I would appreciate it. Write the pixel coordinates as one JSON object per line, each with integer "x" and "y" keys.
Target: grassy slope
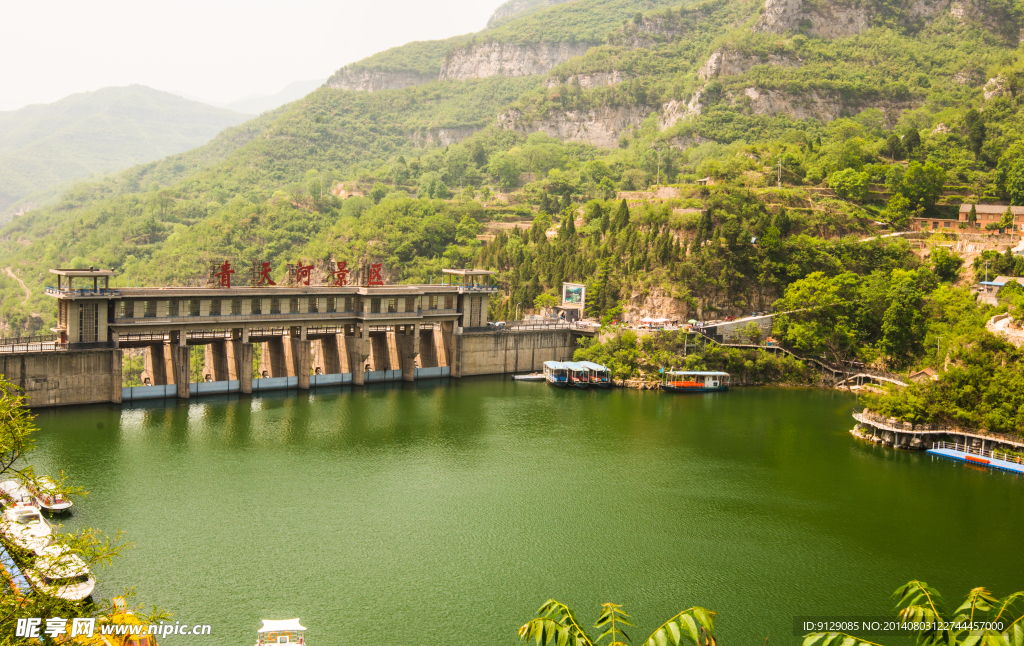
{"x": 93, "y": 132}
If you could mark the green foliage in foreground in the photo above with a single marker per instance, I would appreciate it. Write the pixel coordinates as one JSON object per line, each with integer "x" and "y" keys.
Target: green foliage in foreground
{"x": 969, "y": 624}
{"x": 95, "y": 549}
{"x": 556, "y": 625}
{"x": 631, "y": 358}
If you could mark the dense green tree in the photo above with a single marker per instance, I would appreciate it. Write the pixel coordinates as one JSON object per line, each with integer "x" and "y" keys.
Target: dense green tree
{"x": 850, "y": 184}
{"x": 894, "y": 147}
{"x": 903, "y": 322}
{"x": 946, "y": 263}
{"x": 378, "y": 192}
{"x": 923, "y": 184}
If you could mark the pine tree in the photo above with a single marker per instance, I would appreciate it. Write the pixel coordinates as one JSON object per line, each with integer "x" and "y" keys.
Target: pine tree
{"x": 622, "y": 216}
{"x": 782, "y": 222}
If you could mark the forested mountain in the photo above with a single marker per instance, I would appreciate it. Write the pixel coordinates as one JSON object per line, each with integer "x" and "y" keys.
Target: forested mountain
{"x": 868, "y": 111}
{"x": 44, "y": 146}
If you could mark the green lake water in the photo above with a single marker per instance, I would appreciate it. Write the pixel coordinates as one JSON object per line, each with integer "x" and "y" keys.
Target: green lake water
{"x": 439, "y": 513}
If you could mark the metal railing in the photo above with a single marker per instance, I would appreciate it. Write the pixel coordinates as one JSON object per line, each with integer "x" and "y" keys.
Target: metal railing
{"x": 984, "y": 453}
{"x": 87, "y": 291}
{"x": 40, "y": 338}
{"x": 892, "y": 424}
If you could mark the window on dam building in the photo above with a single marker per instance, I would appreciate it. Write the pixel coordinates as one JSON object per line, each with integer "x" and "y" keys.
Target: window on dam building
{"x": 374, "y": 306}
{"x": 331, "y": 304}
{"x": 314, "y": 305}
{"x": 257, "y": 305}
{"x": 215, "y": 307}
{"x": 172, "y": 307}
{"x": 275, "y": 306}
{"x": 392, "y": 305}
{"x": 293, "y": 305}
{"x": 193, "y": 307}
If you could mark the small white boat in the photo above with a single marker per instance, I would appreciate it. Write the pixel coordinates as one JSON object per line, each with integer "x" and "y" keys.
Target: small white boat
{"x": 281, "y": 631}
{"x": 533, "y": 376}
{"x": 25, "y": 526}
{"x": 47, "y": 497}
{"x": 62, "y": 574}
{"x": 13, "y": 492}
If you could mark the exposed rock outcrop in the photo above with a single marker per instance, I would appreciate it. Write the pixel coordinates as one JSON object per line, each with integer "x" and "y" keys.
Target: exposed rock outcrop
{"x": 674, "y": 110}
{"x": 650, "y": 31}
{"x": 601, "y": 126}
{"x": 814, "y": 104}
{"x": 440, "y": 136}
{"x": 375, "y": 81}
{"x": 836, "y": 20}
{"x": 996, "y": 86}
{"x": 507, "y": 59}
{"x": 825, "y": 21}
{"x": 732, "y": 63}
{"x": 589, "y": 81}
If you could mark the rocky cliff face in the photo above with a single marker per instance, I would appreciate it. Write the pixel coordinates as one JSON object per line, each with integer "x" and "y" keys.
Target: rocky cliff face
{"x": 648, "y": 32}
{"x": 440, "y": 136}
{"x": 840, "y": 19}
{"x": 599, "y": 127}
{"x": 732, "y": 63}
{"x": 375, "y": 81}
{"x": 507, "y": 59}
{"x": 590, "y": 81}
{"x": 823, "y": 106}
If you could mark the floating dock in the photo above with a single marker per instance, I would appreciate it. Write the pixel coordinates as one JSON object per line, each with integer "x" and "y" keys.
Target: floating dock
{"x": 984, "y": 461}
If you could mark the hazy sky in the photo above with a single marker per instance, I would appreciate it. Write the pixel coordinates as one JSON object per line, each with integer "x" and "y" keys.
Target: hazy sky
{"x": 220, "y": 50}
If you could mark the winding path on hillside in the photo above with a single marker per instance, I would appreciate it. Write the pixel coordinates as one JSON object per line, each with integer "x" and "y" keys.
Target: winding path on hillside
{"x": 28, "y": 292}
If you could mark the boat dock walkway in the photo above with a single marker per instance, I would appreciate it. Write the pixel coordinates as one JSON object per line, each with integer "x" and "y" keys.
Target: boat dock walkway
{"x": 980, "y": 458}
{"x": 904, "y": 430}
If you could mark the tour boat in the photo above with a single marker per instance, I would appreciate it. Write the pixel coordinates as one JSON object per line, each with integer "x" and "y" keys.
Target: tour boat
{"x": 62, "y": 574}
{"x": 556, "y": 373}
{"x": 597, "y": 375}
{"x": 47, "y": 497}
{"x": 13, "y": 492}
{"x": 281, "y": 631}
{"x": 694, "y": 381}
{"x": 25, "y": 526}
{"x": 533, "y": 376}
{"x": 577, "y": 374}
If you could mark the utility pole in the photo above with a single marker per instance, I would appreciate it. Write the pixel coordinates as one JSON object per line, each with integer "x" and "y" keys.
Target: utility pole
{"x": 517, "y": 310}
{"x": 986, "y": 271}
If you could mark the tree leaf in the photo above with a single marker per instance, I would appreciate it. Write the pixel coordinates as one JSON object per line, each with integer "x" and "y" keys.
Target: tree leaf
{"x": 673, "y": 630}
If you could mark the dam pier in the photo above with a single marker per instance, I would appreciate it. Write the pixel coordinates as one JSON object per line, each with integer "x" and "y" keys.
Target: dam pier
{"x": 265, "y": 337}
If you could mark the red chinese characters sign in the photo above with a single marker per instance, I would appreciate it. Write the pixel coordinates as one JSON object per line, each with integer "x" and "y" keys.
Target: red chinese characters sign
{"x": 340, "y": 274}
{"x": 263, "y": 269}
{"x": 225, "y": 274}
{"x": 374, "y": 279}
{"x": 302, "y": 274}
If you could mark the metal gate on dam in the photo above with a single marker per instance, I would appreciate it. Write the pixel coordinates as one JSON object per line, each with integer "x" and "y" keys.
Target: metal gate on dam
{"x": 307, "y": 336}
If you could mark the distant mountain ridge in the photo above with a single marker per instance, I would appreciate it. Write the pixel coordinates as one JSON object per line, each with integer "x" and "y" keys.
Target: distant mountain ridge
{"x": 44, "y": 146}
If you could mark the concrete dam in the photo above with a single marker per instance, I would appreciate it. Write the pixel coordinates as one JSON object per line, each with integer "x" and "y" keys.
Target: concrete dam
{"x": 257, "y": 338}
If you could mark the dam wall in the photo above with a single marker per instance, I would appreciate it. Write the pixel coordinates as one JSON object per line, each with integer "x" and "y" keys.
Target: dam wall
{"x": 65, "y": 378}
{"x": 71, "y": 377}
{"x": 504, "y": 351}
